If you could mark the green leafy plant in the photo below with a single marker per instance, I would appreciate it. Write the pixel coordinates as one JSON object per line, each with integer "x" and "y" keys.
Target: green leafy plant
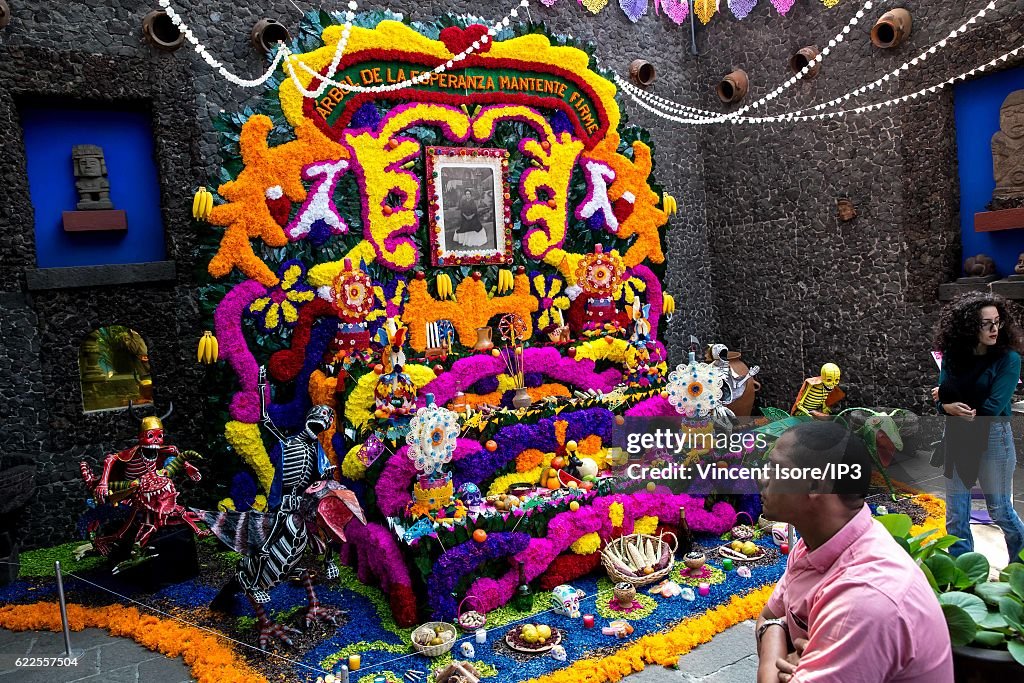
{"x": 979, "y": 612}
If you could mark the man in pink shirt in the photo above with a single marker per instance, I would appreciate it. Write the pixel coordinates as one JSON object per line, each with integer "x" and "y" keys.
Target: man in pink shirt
{"x": 852, "y": 606}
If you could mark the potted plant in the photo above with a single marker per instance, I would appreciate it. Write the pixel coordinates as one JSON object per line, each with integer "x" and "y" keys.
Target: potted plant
{"x": 985, "y": 617}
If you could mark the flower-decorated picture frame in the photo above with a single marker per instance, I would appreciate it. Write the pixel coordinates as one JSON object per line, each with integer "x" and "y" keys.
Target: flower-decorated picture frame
{"x": 470, "y": 206}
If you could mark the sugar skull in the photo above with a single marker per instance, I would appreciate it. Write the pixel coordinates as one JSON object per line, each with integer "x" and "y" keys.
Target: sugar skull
{"x": 469, "y": 494}
{"x": 565, "y": 600}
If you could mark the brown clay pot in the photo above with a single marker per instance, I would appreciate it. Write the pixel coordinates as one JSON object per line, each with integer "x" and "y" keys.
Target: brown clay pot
{"x": 521, "y": 399}
{"x": 892, "y": 28}
{"x": 5, "y": 13}
{"x": 733, "y": 87}
{"x": 267, "y": 33}
{"x": 743, "y": 405}
{"x": 483, "y": 339}
{"x": 161, "y": 32}
{"x": 802, "y": 57}
{"x": 624, "y": 594}
{"x": 642, "y": 72}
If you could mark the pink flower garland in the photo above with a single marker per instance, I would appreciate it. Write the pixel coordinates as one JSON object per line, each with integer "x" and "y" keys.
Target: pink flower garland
{"x": 466, "y": 371}
{"x": 374, "y": 552}
{"x": 654, "y": 298}
{"x": 227, "y": 321}
{"x": 655, "y": 406}
{"x": 566, "y": 528}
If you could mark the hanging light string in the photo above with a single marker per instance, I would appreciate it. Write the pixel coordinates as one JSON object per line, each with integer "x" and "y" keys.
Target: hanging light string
{"x": 662, "y": 104}
{"x": 843, "y": 112}
{"x": 417, "y": 80}
{"x": 283, "y": 54}
{"x": 706, "y": 113}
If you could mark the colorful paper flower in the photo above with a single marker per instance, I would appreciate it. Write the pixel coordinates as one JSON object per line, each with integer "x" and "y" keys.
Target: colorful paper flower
{"x": 432, "y": 438}
{"x": 695, "y": 389}
{"x": 282, "y": 303}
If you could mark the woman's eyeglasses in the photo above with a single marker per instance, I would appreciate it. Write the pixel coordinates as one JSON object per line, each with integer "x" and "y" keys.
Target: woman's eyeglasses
{"x": 989, "y": 325}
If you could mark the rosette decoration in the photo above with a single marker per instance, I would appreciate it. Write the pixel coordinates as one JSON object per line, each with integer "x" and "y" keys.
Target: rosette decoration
{"x": 282, "y": 303}
{"x": 695, "y": 390}
{"x": 432, "y": 436}
{"x": 600, "y": 274}
{"x": 352, "y": 293}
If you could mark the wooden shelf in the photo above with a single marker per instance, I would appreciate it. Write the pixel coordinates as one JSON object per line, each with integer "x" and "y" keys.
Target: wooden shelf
{"x": 990, "y": 221}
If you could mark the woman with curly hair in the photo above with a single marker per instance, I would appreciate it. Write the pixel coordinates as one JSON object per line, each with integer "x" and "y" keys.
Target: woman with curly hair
{"x": 980, "y": 344}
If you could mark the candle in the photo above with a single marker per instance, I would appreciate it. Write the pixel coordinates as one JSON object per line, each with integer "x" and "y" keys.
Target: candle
{"x": 727, "y": 564}
{"x": 704, "y": 589}
{"x": 354, "y": 661}
{"x": 588, "y": 621}
{"x": 343, "y": 674}
{"x": 481, "y": 635}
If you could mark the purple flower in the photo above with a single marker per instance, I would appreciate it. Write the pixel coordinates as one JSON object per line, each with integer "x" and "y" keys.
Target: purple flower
{"x": 366, "y": 116}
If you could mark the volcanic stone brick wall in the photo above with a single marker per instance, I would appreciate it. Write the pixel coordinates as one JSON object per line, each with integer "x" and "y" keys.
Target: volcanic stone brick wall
{"x": 94, "y": 50}
{"x": 794, "y": 286}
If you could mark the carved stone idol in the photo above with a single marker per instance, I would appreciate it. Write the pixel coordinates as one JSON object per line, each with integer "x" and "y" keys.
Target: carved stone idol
{"x": 91, "y": 178}
{"x": 1008, "y": 154}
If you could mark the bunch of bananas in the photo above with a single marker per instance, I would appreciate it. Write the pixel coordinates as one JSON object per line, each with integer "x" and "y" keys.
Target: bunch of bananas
{"x": 668, "y": 304}
{"x": 668, "y": 203}
{"x": 444, "y": 286}
{"x": 202, "y": 204}
{"x": 506, "y": 282}
{"x": 209, "y": 349}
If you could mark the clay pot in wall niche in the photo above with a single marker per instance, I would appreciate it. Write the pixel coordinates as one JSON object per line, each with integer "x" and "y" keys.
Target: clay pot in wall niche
{"x": 267, "y": 33}
{"x": 642, "y": 72}
{"x": 5, "y": 13}
{"x": 847, "y": 211}
{"x": 733, "y": 87}
{"x": 802, "y": 57}
{"x": 161, "y": 32}
{"x": 892, "y": 28}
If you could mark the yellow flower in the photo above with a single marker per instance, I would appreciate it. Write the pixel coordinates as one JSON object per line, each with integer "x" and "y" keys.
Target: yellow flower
{"x": 617, "y": 514}
{"x": 586, "y": 544}
{"x": 645, "y": 525}
{"x": 246, "y": 440}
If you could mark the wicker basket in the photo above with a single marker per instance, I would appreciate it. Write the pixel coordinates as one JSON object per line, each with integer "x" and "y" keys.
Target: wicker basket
{"x": 743, "y": 532}
{"x": 465, "y": 619}
{"x": 434, "y": 650}
{"x": 619, "y": 546}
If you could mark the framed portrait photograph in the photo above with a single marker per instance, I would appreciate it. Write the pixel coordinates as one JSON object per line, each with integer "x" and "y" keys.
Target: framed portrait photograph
{"x": 469, "y": 202}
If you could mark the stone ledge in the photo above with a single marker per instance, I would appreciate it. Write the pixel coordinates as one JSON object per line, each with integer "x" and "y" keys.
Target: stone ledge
{"x": 98, "y": 276}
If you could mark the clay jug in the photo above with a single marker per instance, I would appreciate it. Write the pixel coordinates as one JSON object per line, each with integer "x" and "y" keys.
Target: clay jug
{"x": 744, "y": 403}
{"x": 483, "y": 339}
{"x": 522, "y": 398}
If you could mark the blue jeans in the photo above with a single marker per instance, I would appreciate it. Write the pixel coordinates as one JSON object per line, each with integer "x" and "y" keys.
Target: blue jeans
{"x": 996, "y": 479}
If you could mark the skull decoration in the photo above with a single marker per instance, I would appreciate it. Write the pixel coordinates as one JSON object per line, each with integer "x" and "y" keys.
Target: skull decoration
{"x": 469, "y": 494}
{"x": 565, "y": 600}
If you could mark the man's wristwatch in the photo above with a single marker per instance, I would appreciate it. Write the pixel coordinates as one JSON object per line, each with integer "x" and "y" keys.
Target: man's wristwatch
{"x": 768, "y": 623}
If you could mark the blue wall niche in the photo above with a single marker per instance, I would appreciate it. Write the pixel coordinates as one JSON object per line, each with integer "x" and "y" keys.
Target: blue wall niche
{"x": 125, "y": 134}
{"x": 977, "y": 104}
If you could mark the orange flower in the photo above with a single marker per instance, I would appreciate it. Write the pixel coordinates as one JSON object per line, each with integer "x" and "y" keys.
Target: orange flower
{"x": 529, "y": 459}
{"x": 210, "y": 658}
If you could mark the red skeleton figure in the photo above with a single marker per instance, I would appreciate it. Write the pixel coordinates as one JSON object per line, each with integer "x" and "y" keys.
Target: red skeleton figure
{"x": 140, "y": 476}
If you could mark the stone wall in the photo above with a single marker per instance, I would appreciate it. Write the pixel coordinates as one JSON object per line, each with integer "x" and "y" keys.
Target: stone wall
{"x": 94, "y": 50}
{"x": 798, "y": 286}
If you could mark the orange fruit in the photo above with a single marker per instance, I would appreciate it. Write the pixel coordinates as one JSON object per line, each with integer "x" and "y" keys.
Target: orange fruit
{"x": 479, "y": 535}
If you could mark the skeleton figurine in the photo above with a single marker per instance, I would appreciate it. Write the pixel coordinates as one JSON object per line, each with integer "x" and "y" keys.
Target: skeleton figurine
{"x": 313, "y": 507}
{"x": 140, "y": 477}
{"x": 818, "y": 394}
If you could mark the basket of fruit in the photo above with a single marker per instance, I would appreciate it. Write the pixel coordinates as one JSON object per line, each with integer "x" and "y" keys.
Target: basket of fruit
{"x": 533, "y": 638}
{"x": 742, "y": 551}
{"x": 434, "y": 638}
{"x": 470, "y": 620}
{"x": 639, "y": 559}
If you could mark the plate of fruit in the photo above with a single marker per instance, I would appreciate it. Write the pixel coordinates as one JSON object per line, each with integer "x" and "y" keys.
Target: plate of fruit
{"x": 742, "y": 551}
{"x": 533, "y": 638}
